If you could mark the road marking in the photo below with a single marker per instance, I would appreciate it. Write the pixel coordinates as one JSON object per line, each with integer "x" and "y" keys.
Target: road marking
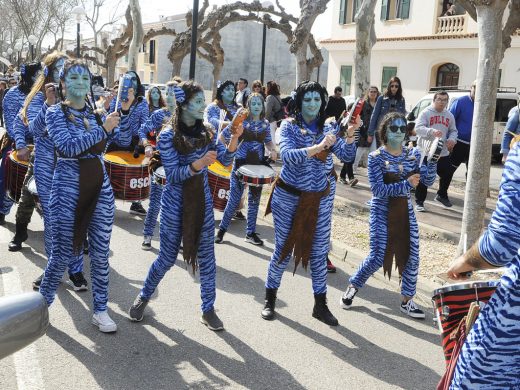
{"x": 28, "y": 371}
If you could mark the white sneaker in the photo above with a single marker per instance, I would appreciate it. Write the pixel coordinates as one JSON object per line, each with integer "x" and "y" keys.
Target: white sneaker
{"x": 147, "y": 243}
{"x": 411, "y": 309}
{"x": 103, "y": 321}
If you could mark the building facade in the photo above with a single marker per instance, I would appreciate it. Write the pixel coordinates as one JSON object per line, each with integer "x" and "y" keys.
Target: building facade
{"x": 416, "y": 43}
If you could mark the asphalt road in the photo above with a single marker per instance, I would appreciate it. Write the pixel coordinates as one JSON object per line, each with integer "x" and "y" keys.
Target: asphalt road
{"x": 374, "y": 347}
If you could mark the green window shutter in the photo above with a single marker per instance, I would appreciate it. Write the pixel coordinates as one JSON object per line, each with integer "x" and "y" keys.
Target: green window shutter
{"x": 384, "y": 9}
{"x": 355, "y": 8}
{"x": 404, "y": 9}
{"x": 388, "y": 73}
{"x": 346, "y": 78}
{"x": 342, "y": 12}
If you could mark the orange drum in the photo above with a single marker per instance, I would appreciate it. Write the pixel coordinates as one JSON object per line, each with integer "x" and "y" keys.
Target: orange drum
{"x": 219, "y": 182}
{"x": 128, "y": 175}
{"x": 15, "y": 175}
{"x": 451, "y": 304}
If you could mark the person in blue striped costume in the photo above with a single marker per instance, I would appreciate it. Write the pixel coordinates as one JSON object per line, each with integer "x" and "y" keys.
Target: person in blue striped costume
{"x": 490, "y": 356}
{"x": 393, "y": 170}
{"x": 81, "y": 197}
{"x": 187, "y": 148}
{"x": 148, "y": 133}
{"x": 257, "y": 133}
{"x": 134, "y": 113}
{"x": 12, "y": 103}
{"x": 300, "y": 205}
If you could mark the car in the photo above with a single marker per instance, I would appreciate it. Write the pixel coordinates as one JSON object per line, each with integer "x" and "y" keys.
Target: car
{"x": 507, "y": 98}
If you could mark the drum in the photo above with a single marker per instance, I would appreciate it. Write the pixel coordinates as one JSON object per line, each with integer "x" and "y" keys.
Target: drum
{"x": 15, "y": 176}
{"x": 451, "y": 303}
{"x": 159, "y": 176}
{"x": 255, "y": 175}
{"x": 435, "y": 150}
{"x": 31, "y": 187}
{"x": 218, "y": 180}
{"x": 128, "y": 175}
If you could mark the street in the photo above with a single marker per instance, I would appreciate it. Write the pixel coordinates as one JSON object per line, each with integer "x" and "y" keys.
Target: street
{"x": 374, "y": 347}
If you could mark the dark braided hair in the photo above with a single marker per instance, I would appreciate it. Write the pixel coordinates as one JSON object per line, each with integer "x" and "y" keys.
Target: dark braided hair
{"x": 303, "y": 88}
{"x": 28, "y": 71}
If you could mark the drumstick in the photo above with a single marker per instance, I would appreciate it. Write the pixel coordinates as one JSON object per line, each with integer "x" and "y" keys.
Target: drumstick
{"x": 220, "y": 123}
{"x": 118, "y": 98}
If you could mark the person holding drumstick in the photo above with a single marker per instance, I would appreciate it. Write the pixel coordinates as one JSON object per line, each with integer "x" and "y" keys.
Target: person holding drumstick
{"x": 187, "y": 148}
{"x": 393, "y": 170}
{"x": 81, "y": 197}
{"x": 299, "y": 201}
{"x": 257, "y": 133}
{"x": 490, "y": 356}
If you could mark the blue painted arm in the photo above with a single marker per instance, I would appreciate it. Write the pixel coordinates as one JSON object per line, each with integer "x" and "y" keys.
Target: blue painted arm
{"x": 290, "y": 154}
{"x": 513, "y": 125}
{"x": 377, "y": 184}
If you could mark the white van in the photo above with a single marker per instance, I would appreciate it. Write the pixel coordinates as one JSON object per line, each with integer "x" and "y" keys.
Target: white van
{"x": 507, "y": 98}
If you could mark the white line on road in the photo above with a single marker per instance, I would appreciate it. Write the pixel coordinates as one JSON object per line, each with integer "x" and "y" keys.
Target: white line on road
{"x": 28, "y": 371}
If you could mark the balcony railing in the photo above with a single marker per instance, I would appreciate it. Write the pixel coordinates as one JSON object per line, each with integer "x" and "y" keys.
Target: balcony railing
{"x": 447, "y": 25}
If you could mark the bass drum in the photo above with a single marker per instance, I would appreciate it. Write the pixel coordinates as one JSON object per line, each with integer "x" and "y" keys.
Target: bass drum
{"x": 219, "y": 183}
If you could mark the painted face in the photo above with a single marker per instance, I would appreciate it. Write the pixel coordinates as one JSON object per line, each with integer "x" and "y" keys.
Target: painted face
{"x": 195, "y": 107}
{"x": 311, "y": 104}
{"x": 155, "y": 94}
{"x": 228, "y": 94}
{"x": 256, "y": 106}
{"x": 134, "y": 80}
{"x": 396, "y": 132}
{"x": 58, "y": 65}
{"x": 77, "y": 82}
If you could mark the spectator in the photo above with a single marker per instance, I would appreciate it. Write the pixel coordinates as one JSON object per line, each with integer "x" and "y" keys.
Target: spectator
{"x": 336, "y": 104}
{"x": 242, "y": 92}
{"x": 450, "y": 11}
{"x": 258, "y": 88}
{"x": 363, "y": 147}
{"x": 3, "y": 89}
{"x": 433, "y": 122}
{"x": 348, "y": 167}
{"x": 274, "y": 111}
{"x": 12, "y": 82}
{"x": 391, "y": 100}
{"x": 512, "y": 127}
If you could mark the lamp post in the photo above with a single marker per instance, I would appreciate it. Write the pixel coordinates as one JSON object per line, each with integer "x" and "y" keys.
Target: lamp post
{"x": 4, "y": 54}
{"x": 79, "y": 12}
{"x": 18, "y": 47}
{"x": 32, "y": 41}
{"x": 265, "y": 4}
{"x": 194, "y": 26}
{"x": 10, "y": 54}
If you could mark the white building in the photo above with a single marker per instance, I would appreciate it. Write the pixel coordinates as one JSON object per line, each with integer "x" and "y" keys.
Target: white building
{"x": 416, "y": 43}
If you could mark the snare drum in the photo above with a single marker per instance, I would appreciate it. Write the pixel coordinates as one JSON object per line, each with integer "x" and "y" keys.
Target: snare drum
{"x": 255, "y": 175}
{"x": 159, "y": 176}
{"x": 128, "y": 175}
{"x": 31, "y": 187}
{"x": 451, "y": 303}
{"x": 218, "y": 180}
{"x": 15, "y": 176}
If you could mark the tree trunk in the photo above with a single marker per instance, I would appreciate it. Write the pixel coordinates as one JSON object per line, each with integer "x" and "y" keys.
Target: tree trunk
{"x": 111, "y": 69}
{"x": 137, "y": 35}
{"x": 491, "y": 52}
{"x": 303, "y": 71}
{"x": 177, "y": 65}
{"x": 365, "y": 40}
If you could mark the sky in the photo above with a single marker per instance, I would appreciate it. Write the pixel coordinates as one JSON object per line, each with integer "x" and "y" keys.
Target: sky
{"x": 151, "y": 9}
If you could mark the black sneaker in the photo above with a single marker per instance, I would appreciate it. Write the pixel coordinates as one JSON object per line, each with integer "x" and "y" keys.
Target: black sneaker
{"x": 147, "y": 243}
{"x": 444, "y": 201}
{"x": 37, "y": 282}
{"x": 220, "y": 236}
{"x": 136, "y": 312}
{"x": 331, "y": 268}
{"x": 78, "y": 282}
{"x": 137, "y": 208}
{"x": 343, "y": 180}
{"x": 254, "y": 239}
{"x": 348, "y": 297}
{"x": 411, "y": 309}
{"x": 239, "y": 216}
{"x": 211, "y": 320}
{"x": 2, "y": 219}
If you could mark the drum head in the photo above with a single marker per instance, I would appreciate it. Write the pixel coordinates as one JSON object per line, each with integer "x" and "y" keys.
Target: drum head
{"x": 261, "y": 171}
{"x": 160, "y": 172}
{"x": 31, "y": 186}
{"x": 120, "y": 157}
{"x": 466, "y": 286}
{"x": 220, "y": 170}
{"x": 14, "y": 158}
{"x": 435, "y": 148}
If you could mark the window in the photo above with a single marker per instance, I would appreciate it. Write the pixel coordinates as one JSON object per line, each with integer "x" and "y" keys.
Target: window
{"x": 345, "y": 79}
{"x": 502, "y": 109}
{"x": 388, "y": 73}
{"x": 151, "y": 57}
{"x": 348, "y": 10}
{"x": 448, "y": 75}
{"x": 395, "y": 9}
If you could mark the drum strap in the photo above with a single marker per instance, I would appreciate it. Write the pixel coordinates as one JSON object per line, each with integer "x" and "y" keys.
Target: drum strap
{"x": 193, "y": 213}
{"x": 186, "y": 145}
{"x": 301, "y": 237}
{"x": 398, "y": 227}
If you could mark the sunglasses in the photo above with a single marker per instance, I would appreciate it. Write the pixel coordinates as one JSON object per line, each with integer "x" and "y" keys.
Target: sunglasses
{"x": 394, "y": 129}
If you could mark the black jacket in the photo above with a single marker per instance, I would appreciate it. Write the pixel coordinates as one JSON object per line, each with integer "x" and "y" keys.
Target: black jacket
{"x": 335, "y": 107}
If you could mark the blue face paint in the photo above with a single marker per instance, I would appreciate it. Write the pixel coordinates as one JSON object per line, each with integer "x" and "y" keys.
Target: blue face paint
{"x": 155, "y": 95}
{"x": 256, "y": 106}
{"x": 195, "y": 108}
{"x": 395, "y": 140}
{"x": 77, "y": 83}
{"x": 133, "y": 77}
{"x": 228, "y": 94}
{"x": 58, "y": 65}
{"x": 170, "y": 98}
{"x": 311, "y": 104}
